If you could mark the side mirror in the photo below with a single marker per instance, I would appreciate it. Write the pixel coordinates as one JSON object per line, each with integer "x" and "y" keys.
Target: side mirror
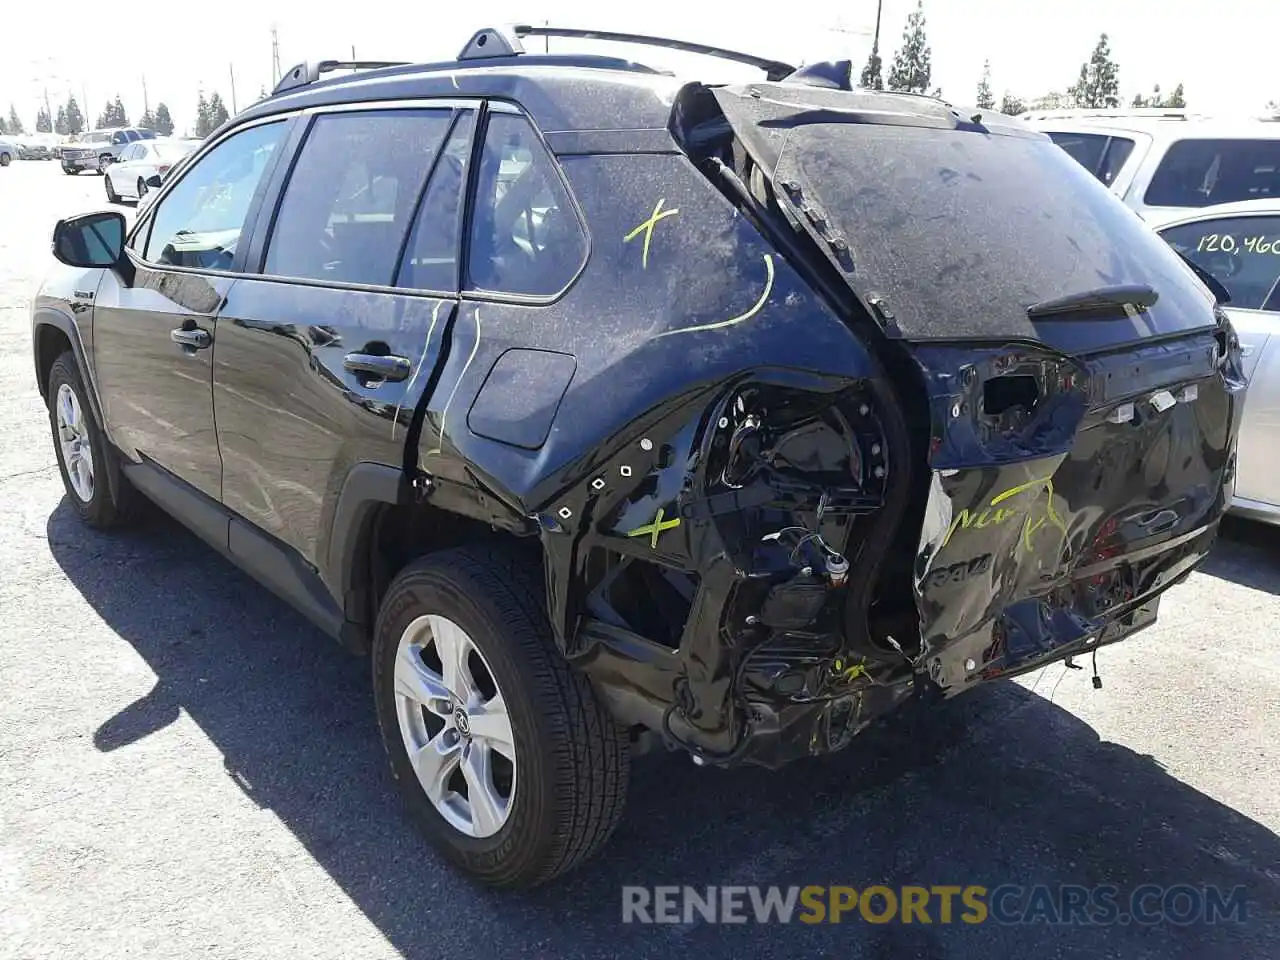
{"x": 154, "y": 181}
{"x": 90, "y": 240}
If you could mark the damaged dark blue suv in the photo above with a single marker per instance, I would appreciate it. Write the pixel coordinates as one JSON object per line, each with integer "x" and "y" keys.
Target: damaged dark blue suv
{"x": 606, "y": 408}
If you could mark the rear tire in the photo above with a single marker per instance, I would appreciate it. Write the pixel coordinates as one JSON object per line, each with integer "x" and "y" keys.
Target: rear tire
{"x": 5, "y": 159}
{"x": 69, "y": 171}
{"x": 568, "y": 775}
{"x": 94, "y": 470}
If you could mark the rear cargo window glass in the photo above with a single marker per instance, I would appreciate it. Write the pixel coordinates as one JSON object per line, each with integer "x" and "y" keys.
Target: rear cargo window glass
{"x": 352, "y": 193}
{"x": 959, "y": 232}
{"x": 1242, "y": 253}
{"x": 431, "y": 257}
{"x": 525, "y": 234}
{"x": 1201, "y": 173}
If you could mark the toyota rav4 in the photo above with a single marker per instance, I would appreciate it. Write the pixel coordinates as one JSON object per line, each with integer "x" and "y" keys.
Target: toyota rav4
{"x": 607, "y": 409}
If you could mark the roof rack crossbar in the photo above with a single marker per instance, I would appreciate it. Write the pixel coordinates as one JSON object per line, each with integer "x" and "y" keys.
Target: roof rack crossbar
{"x": 307, "y": 73}
{"x": 774, "y": 69}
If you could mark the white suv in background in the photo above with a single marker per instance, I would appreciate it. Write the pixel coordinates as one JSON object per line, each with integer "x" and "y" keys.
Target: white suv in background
{"x": 1163, "y": 162}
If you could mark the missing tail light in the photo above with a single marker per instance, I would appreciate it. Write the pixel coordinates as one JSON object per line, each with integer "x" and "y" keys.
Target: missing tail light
{"x": 1011, "y": 397}
{"x": 163, "y": 169}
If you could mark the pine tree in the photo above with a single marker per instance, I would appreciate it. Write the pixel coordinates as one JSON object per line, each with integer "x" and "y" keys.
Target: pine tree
{"x": 1099, "y": 82}
{"x": 1177, "y": 99}
{"x": 148, "y": 120}
{"x": 1011, "y": 104}
{"x": 14, "y": 123}
{"x": 873, "y": 73}
{"x": 164, "y": 123}
{"x": 60, "y": 122}
{"x": 118, "y": 114}
{"x": 75, "y": 119}
{"x": 912, "y": 63}
{"x": 217, "y": 112}
{"x": 202, "y": 117}
{"x": 104, "y": 118}
{"x": 986, "y": 99}
{"x": 44, "y": 124}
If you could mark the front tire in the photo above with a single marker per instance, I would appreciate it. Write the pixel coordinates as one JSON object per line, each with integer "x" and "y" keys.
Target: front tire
{"x": 112, "y": 196}
{"x": 141, "y": 187}
{"x": 90, "y": 471}
{"x": 5, "y": 159}
{"x": 518, "y": 771}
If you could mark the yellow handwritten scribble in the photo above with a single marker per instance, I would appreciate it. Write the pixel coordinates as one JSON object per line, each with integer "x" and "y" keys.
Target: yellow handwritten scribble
{"x": 444, "y": 415}
{"x": 1030, "y": 524}
{"x": 756, "y": 307}
{"x": 655, "y": 529}
{"x": 647, "y": 229}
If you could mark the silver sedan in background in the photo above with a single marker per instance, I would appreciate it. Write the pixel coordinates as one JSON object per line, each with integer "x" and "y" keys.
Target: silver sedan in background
{"x": 1239, "y": 245}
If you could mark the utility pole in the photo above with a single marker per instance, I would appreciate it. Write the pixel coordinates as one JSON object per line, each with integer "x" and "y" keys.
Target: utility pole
{"x": 275, "y": 56}
{"x": 875, "y": 43}
{"x": 146, "y": 104}
{"x": 353, "y": 53}
{"x": 47, "y": 110}
{"x": 231, "y": 67}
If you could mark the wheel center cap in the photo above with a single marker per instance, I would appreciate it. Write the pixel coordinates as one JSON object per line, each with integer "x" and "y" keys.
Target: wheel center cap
{"x": 461, "y": 721}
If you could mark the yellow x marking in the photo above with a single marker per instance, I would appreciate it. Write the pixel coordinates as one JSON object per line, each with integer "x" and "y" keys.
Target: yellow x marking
{"x": 654, "y": 529}
{"x": 647, "y": 229}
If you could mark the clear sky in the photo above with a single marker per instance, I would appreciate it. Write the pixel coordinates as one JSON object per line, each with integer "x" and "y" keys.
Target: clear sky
{"x": 1225, "y": 52}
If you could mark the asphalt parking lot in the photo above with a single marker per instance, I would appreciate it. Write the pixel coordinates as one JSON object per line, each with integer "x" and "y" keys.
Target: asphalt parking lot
{"x": 188, "y": 769}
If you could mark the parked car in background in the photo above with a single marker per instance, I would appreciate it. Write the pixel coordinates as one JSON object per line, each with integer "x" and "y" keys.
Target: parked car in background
{"x": 1163, "y": 162}
{"x": 1238, "y": 244}
{"x": 140, "y": 161}
{"x": 98, "y": 149}
{"x": 8, "y": 151}
{"x": 36, "y": 146}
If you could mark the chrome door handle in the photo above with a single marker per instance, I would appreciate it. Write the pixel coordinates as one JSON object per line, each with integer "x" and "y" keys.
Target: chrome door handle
{"x": 194, "y": 337}
{"x": 389, "y": 368}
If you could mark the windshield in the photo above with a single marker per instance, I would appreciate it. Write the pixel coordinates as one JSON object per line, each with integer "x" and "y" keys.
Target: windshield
{"x": 960, "y": 231}
{"x": 1201, "y": 173}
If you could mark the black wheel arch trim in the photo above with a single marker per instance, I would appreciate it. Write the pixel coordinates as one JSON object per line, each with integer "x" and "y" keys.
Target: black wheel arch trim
{"x": 367, "y": 488}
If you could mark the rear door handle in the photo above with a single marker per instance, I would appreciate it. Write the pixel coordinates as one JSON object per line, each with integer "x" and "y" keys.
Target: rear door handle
{"x": 390, "y": 368}
{"x": 192, "y": 337}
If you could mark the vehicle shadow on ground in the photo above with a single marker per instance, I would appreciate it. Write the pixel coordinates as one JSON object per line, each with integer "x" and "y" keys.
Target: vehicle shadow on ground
{"x": 1000, "y": 787}
{"x": 1247, "y": 553}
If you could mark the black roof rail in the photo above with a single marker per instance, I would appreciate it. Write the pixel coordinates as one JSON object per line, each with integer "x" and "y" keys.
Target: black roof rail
{"x": 774, "y": 69}
{"x": 306, "y": 73}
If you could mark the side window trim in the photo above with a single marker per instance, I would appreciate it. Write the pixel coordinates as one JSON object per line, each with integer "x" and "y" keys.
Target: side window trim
{"x": 142, "y": 229}
{"x": 469, "y": 293}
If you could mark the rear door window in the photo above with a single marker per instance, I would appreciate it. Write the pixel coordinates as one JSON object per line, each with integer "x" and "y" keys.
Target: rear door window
{"x": 352, "y": 193}
{"x": 1242, "y": 253}
{"x": 1201, "y": 173}
{"x": 526, "y": 238}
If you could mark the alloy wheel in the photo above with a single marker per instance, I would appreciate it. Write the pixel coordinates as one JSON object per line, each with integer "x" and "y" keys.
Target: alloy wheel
{"x": 73, "y": 439}
{"x": 455, "y": 726}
